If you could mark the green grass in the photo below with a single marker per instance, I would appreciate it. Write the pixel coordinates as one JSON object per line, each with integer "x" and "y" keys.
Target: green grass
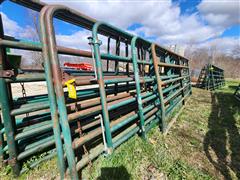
{"x": 204, "y": 143}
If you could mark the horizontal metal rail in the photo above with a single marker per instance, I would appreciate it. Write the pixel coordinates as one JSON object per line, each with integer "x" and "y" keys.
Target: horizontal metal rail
{"x": 112, "y": 104}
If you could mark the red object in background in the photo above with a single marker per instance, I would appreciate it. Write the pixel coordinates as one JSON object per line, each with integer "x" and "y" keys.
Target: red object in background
{"x": 79, "y": 66}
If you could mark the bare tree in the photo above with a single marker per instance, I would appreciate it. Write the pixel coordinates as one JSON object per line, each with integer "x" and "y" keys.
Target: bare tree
{"x": 33, "y": 31}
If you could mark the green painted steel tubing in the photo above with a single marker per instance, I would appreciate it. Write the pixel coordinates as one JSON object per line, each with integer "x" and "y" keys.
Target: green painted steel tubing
{"x": 30, "y": 120}
{"x": 149, "y": 96}
{"x": 1, "y": 145}
{"x": 26, "y": 78}
{"x": 149, "y": 120}
{"x": 21, "y": 44}
{"x": 19, "y": 124}
{"x": 51, "y": 95}
{"x": 27, "y": 108}
{"x": 51, "y": 57}
{"x": 47, "y": 126}
{"x": 162, "y": 64}
{"x": 175, "y": 79}
{"x": 153, "y": 123}
{"x": 176, "y": 103}
{"x": 36, "y": 163}
{"x": 97, "y": 51}
{"x": 5, "y": 148}
{"x": 172, "y": 95}
{"x": 159, "y": 86}
{"x": 96, "y": 132}
{"x": 30, "y": 99}
{"x": 7, "y": 119}
{"x": 165, "y": 90}
{"x": 148, "y": 109}
{"x": 119, "y": 80}
{"x": 169, "y": 109}
{"x": 169, "y": 77}
{"x": 34, "y": 132}
{"x": 138, "y": 88}
{"x": 2, "y": 131}
{"x": 92, "y": 155}
{"x": 100, "y": 148}
{"x": 144, "y": 62}
{"x": 25, "y": 145}
{"x": 106, "y": 73}
{"x": 37, "y": 148}
{"x": 36, "y": 46}
{"x": 97, "y": 110}
{"x": 175, "y": 93}
{"x": 129, "y": 119}
{"x": 150, "y": 114}
{"x": 41, "y": 145}
{"x": 97, "y": 57}
{"x": 171, "y": 65}
{"x": 80, "y": 141}
{"x": 40, "y": 77}
{"x": 41, "y": 103}
{"x": 131, "y": 131}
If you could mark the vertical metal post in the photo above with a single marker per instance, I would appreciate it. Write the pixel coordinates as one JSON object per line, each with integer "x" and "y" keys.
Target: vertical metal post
{"x": 189, "y": 77}
{"x": 207, "y": 78}
{"x": 108, "y": 51}
{"x": 151, "y": 72}
{"x": 137, "y": 84}
{"x": 212, "y": 76}
{"x": 100, "y": 78}
{"x": 159, "y": 85}
{"x": 169, "y": 73}
{"x": 1, "y": 144}
{"x": 127, "y": 65}
{"x": 9, "y": 121}
{"x": 51, "y": 57}
{"x": 117, "y": 63}
{"x": 117, "y": 53}
{"x": 181, "y": 81}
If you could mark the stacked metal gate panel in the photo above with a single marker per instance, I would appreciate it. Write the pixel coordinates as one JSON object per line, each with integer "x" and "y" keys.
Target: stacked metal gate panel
{"x": 211, "y": 77}
{"x": 176, "y": 87}
{"x": 147, "y": 83}
{"x": 27, "y": 129}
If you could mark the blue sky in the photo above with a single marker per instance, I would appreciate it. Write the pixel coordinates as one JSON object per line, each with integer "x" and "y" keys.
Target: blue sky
{"x": 183, "y": 22}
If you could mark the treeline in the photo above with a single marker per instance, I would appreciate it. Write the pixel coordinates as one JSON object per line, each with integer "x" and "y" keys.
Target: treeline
{"x": 230, "y": 64}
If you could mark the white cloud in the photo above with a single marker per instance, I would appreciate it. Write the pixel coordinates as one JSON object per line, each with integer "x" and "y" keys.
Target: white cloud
{"x": 12, "y": 28}
{"x": 76, "y": 40}
{"x": 221, "y": 13}
{"x": 226, "y": 45}
{"x": 159, "y": 18}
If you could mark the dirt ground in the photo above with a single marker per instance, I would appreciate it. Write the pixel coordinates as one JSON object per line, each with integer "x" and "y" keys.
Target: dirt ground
{"x": 31, "y": 88}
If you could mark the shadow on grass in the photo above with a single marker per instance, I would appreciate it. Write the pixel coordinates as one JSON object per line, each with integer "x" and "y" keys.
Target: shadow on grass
{"x": 114, "y": 173}
{"x": 222, "y": 141}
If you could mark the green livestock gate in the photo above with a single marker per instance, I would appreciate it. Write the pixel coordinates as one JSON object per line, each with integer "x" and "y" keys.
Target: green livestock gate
{"x": 211, "y": 77}
{"x": 134, "y": 86}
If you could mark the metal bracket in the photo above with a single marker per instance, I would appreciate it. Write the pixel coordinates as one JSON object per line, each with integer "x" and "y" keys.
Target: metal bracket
{"x": 103, "y": 134}
{"x": 6, "y": 73}
{"x": 91, "y": 41}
